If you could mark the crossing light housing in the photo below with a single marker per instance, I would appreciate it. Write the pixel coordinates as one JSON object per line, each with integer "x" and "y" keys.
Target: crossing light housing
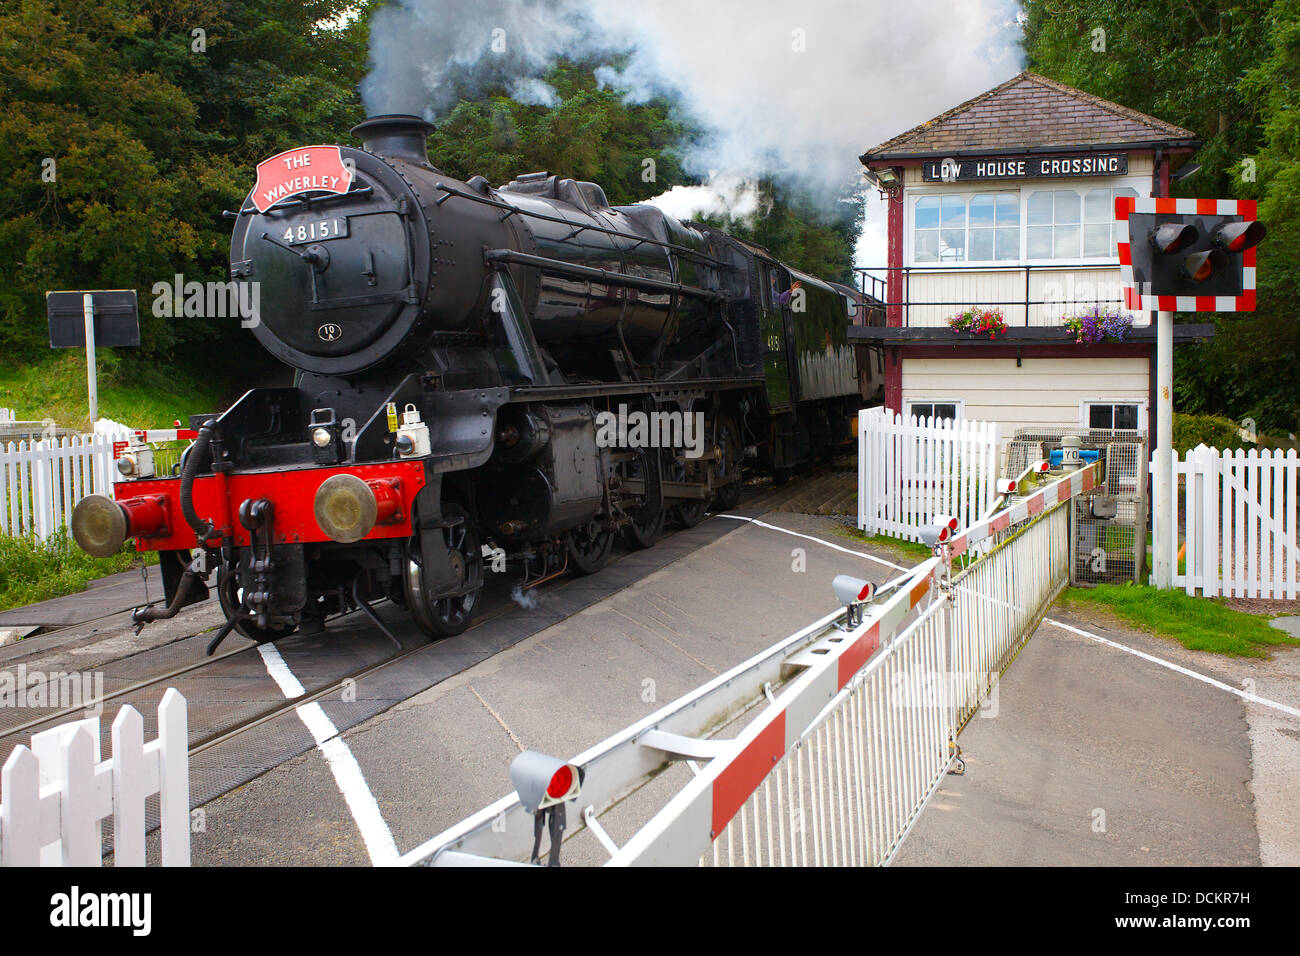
{"x": 1204, "y": 257}
{"x": 1171, "y": 237}
{"x": 934, "y": 534}
{"x": 543, "y": 781}
{"x": 853, "y": 593}
{"x": 1239, "y": 236}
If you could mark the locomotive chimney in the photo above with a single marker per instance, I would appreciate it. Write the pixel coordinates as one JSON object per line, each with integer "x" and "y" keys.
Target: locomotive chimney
{"x": 398, "y": 135}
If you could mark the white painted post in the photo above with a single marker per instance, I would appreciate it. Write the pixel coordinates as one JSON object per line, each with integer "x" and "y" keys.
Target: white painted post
{"x": 1163, "y": 531}
{"x": 174, "y": 779}
{"x": 20, "y": 814}
{"x": 88, "y": 310}
{"x": 78, "y": 823}
{"x": 128, "y": 788}
{"x": 49, "y": 747}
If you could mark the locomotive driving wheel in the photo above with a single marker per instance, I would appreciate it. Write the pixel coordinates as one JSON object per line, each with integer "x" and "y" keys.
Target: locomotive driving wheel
{"x": 230, "y": 594}
{"x": 686, "y": 514}
{"x": 589, "y": 547}
{"x": 727, "y": 451}
{"x": 643, "y": 530}
{"x": 451, "y": 615}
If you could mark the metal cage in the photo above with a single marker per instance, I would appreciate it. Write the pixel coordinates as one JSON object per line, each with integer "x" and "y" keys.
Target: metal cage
{"x": 1109, "y": 523}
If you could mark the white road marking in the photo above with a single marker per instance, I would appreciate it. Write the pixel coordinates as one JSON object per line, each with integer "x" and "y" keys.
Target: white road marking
{"x": 1186, "y": 672}
{"x": 347, "y": 772}
{"x": 809, "y": 537}
{"x": 1244, "y": 695}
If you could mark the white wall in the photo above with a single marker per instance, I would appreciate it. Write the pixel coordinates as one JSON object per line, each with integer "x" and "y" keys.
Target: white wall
{"x": 1043, "y": 391}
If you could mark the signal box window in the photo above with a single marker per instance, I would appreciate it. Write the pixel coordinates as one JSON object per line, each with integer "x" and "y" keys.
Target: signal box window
{"x": 1052, "y": 224}
{"x": 1101, "y": 232}
{"x": 1112, "y": 416}
{"x": 994, "y": 227}
{"x": 936, "y": 410}
{"x": 940, "y": 228}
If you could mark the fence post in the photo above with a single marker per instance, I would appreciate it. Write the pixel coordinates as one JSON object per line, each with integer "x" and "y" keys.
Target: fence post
{"x": 128, "y": 788}
{"x": 78, "y": 821}
{"x": 20, "y": 814}
{"x": 174, "y": 779}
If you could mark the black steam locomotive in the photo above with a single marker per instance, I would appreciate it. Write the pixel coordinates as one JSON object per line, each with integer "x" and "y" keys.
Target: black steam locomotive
{"x": 523, "y": 368}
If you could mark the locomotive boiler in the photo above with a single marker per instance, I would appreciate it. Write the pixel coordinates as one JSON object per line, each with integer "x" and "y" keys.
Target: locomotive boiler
{"x": 468, "y": 360}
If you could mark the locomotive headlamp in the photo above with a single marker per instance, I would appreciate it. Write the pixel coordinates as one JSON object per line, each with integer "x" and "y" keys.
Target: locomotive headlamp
{"x": 126, "y": 465}
{"x": 321, "y": 437}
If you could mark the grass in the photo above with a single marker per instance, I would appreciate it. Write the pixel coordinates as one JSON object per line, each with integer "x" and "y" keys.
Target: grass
{"x": 901, "y": 548}
{"x": 32, "y": 571}
{"x": 134, "y": 393}
{"x": 1199, "y": 624}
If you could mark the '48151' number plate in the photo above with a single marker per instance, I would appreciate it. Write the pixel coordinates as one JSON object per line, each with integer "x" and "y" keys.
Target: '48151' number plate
{"x": 316, "y": 230}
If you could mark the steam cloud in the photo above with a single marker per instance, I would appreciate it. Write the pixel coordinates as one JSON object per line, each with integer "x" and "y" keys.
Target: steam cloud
{"x": 795, "y": 91}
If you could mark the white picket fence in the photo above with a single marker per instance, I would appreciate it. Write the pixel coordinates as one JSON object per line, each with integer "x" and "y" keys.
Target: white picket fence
{"x": 42, "y": 481}
{"x": 58, "y": 792}
{"x": 7, "y": 415}
{"x": 911, "y": 469}
{"x": 1239, "y": 514}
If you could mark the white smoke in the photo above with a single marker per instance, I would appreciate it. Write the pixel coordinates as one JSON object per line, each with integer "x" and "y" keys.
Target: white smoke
{"x": 525, "y": 599}
{"x": 534, "y": 92}
{"x": 795, "y": 91}
{"x": 719, "y": 195}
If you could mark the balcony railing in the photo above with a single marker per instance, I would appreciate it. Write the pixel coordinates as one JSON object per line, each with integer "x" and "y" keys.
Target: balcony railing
{"x": 1029, "y": 295}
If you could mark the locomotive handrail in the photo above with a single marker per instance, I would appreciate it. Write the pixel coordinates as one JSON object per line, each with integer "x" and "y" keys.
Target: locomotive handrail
{"x": 516, "y": 210}
{"x": 572, "y": 270}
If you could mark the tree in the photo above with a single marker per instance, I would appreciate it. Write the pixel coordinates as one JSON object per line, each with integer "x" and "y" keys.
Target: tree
{"x": 126, "y": 128}
{"x": 1228, "y": 72}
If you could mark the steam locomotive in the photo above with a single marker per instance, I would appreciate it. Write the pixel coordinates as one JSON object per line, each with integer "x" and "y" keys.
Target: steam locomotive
{"x": 468, "y": 361}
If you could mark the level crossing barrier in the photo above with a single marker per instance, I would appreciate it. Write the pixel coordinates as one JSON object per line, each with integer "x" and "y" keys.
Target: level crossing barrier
{"x": 852, "y": 727}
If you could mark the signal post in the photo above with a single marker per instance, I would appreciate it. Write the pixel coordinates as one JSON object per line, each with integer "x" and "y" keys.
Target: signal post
{"x": 1183, "y": 255}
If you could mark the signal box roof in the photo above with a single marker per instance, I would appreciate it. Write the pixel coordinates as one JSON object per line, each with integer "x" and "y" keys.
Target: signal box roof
{"x": 1030, "y": 113}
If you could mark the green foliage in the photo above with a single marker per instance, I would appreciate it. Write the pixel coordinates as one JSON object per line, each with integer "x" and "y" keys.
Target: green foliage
{"x": 130, "y": 392}
{"x": 150, "y": 140}
{"x": 32, "y": 570}
{"x": 1212, "y": 431}
{"x": 1199, "y": 624}
{"x": 1226, "y": 71}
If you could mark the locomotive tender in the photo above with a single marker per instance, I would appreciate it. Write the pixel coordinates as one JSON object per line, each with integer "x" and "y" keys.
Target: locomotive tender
{"x": 456, "y": 347}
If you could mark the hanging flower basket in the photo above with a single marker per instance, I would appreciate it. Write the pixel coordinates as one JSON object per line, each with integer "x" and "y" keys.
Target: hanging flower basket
{"x": 1098, "y": 325}
{"x": 982, "y": 323}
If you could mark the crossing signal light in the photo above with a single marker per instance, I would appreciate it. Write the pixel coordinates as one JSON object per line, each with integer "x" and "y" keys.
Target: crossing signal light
{"x": 1171, "y": 237}
{"x": 1187, "y": 255}
{"x": 1200, "y": 266}
{"x": 1239, "y": 236}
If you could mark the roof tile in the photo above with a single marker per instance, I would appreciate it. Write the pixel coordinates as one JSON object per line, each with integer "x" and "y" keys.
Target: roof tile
{"x": 1027, "y": 111}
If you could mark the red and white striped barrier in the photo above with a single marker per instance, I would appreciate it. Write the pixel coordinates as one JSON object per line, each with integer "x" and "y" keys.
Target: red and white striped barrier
{"x": 1063, "y": 489}
{"x": 837, "y": 768}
